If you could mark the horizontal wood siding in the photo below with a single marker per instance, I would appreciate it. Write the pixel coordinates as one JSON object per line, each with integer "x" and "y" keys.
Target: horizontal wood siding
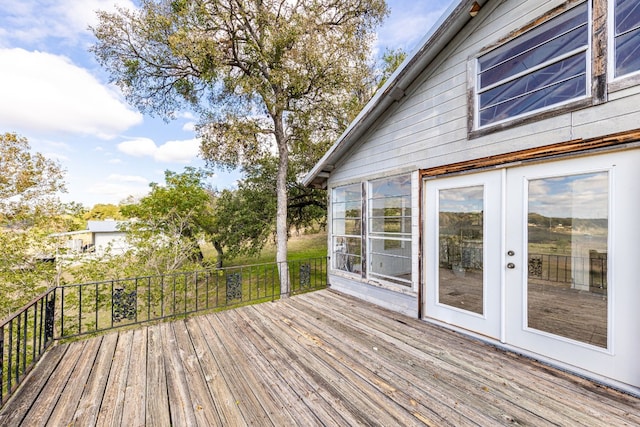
{"x": 428, "y": 127}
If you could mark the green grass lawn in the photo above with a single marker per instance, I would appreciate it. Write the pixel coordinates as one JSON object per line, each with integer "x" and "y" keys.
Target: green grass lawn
{"x": 303, "y": 246}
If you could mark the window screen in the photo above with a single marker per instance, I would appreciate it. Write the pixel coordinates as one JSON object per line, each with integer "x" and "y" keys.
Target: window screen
{"x": 346, "y": 204}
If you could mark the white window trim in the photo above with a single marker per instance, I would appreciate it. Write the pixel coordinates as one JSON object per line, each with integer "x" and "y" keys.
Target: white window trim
{"x": 333, "y": 235}
{"x": 365, "y": 276}
{"x": 390, "y": 280}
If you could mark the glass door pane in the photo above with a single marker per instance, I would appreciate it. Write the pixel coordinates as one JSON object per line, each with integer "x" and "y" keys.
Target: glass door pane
{"x": 568, "y": 231}
{"x": 461, "y": 241}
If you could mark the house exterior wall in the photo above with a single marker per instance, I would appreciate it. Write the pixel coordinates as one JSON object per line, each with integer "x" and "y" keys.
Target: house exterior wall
{"x": 430, "y": 127}
{"x": 116, "y": 240}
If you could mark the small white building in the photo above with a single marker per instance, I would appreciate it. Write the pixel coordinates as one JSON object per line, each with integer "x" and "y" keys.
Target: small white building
{"x": 109, "y": 233}
{"x": 98, "y": 236}
{"x": 490, "y": 186}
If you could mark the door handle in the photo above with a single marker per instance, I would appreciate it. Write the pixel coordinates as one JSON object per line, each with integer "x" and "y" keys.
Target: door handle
{"x": 511, "y": 265}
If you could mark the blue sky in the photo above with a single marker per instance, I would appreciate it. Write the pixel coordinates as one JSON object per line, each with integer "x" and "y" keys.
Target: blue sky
{"x": 53, "y": 92}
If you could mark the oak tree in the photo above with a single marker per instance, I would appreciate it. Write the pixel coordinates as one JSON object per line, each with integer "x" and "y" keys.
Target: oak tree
{"x": 29, "y": 212}
{"x": 265, "y": 76}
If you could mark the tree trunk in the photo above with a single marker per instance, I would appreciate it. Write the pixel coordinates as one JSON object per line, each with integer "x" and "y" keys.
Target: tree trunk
{"x": 281, "y": 208}
{"x": 220, "y": 253}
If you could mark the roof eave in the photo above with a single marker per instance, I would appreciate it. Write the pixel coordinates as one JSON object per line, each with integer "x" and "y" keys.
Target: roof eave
{"x": 449, "y": 24}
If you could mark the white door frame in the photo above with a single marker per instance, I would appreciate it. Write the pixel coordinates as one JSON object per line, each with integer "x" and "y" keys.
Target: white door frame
{"x": 489, "y": 321}
{"x": 617, "y": 363}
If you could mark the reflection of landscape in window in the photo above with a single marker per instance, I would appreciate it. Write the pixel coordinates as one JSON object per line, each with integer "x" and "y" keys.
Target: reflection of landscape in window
{"x": 460, "y": 231}
{"x": 567, "y": 256}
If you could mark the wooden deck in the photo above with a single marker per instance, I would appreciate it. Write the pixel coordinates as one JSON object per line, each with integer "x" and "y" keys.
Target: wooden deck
{"x": 317, "y": 359}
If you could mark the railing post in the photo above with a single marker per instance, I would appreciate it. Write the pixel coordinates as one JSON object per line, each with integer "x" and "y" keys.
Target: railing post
{"x": 79, "y": 309}
{"x": 62, "y": 312}
{"x": 24, "y": 340}
{"x": 18, "y": 338}
{"x": 50, "y": 308}
{"x": 1, "y": 365}
{"x": 9, "y": 361}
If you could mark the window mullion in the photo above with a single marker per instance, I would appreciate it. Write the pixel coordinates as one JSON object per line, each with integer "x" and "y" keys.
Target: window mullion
{"x": 363, "y": 230}
{"x": 533, "y": 91}
{"x": 533, "y": 48}
{"x": 533, "y": 69}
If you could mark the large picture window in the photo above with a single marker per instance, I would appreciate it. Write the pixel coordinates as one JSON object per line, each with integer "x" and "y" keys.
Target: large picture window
{"x": 546, "y": 66}
{"x": 383, "y": 208}
{"x": 389, "y": 231}
{"x": 627, "y": 36}
{"x": 346, "y": 228}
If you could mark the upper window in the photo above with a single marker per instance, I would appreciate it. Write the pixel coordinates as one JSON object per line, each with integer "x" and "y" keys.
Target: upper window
{"x": 543, "y": 67}
{"x": 389, "y": 231}
{"x": 627, "y": 36}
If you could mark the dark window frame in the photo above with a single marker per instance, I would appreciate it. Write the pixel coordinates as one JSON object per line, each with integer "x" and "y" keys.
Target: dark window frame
{"x": 596, "y": 80}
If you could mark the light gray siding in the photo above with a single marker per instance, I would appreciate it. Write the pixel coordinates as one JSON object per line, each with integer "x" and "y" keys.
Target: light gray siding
{"x": 428, "y": 127}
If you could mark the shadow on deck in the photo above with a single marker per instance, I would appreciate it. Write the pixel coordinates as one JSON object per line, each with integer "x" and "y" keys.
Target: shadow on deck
{"x": 320, "y": 358}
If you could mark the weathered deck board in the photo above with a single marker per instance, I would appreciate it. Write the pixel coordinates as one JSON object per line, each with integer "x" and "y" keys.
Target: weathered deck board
{"x": 157, "y": 401}
{"x": 16, "y": 409}
{"x": 134, "y": 409}
{"x": 221, "y": 395}
{"x": 112, "y": 402}
{"x": 70, "y": 396}
{"x": 539, "y": 384}
{"x": 464, "y": 379}
{"x": 181, "y": 407}
{"x": 40, "y": 413}
{"x": 317, "y": 359}
{"x": 87, "y": 411}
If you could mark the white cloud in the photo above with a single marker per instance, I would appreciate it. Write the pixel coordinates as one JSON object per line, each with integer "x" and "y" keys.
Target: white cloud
{"x": 32, "y": 21}
{"x": 110, "y": 192}
{"x": 117, "y": 187}
{"x": 42, "y": 92}
{"x": 178, "y": 151}
{"x": 138, "y": 147}
{"x": 186, "y": 115}
{"x": 189, "y": 127}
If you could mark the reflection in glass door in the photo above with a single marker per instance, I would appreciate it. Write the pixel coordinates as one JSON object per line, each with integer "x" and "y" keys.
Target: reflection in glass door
{"x": 567, "y": 228}
{"x": 571, "y": 241}
{"x": 460, "y": 231}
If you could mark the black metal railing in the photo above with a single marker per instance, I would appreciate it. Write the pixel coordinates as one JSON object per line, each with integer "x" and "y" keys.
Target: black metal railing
{"x": 80, "y": 309}
{"x": 590, "y": 270}
{"x": 24, "y": 337}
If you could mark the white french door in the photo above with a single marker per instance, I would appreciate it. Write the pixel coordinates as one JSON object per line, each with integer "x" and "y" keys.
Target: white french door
{"x": 463, "y": 239}
{"x": 542, "y": 257}
{"x": 571, "y": 283}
